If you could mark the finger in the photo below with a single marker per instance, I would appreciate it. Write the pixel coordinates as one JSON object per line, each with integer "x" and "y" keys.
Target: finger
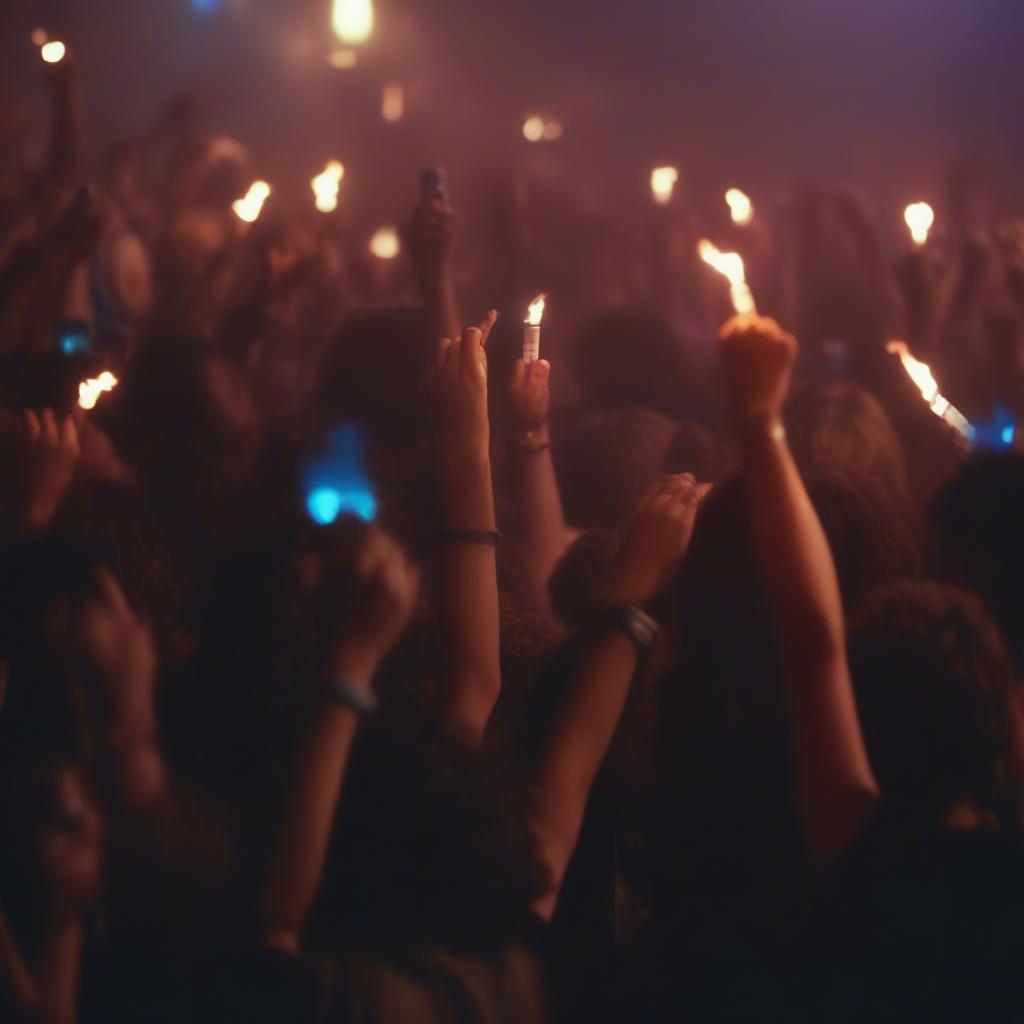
{"x": 471, "y": 346}
{"x": 540, "y": 370}
{"x": 69, "y": 435}
{"x": 49, "y": 422}
{"x": 33, "y": 428}
{"x": 487, "y": 325}
{"x": 443, "y": 349}
{"x": 519, "y": 373}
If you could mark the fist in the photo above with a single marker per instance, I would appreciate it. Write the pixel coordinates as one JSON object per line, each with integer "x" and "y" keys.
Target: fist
{"x": 529, "y": 394}
{"x": 656, "y": 539}
{"x": 757, "y": 359}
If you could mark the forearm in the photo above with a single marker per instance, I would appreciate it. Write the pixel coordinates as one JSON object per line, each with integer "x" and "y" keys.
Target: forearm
{"x": 545, "y": 537}
{"x": 469, "y": 614}
{"x": 580, "y": 737}
{"x": 835, "y": 785}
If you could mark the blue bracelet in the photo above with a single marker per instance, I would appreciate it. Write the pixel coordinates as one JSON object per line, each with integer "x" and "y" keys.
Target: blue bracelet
{"x": 357, "y": 699}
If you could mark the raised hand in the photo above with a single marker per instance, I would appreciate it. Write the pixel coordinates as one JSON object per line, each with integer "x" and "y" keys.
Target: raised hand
{"x": 430, "y": 234}
{"x": 656, "y": 539}
{"x": 530, "y": 395}
{"x": 455, "y": 388}
{"x": 51, "y": 457}
{"x": 757, "y": 359}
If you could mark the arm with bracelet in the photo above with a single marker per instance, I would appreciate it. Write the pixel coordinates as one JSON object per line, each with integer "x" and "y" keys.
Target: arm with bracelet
{"x": 585, "y": 724}
{"x": 544, "y": 535}
{"x": 455, "y": 386}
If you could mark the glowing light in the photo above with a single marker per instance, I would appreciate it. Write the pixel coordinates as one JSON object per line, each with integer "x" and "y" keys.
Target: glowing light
{"x": 250, "y": 206}
{"x": 392, "y": 105}
{"x": 325, "y": 504}
{"x": 553, "y": 130}
{"x": 89, "y": 391}
{"x": 343, "y": 59}
{"x": 53, "y": 52}
{"x": 1007, "y": 435}
{"x": 919, "y": 217}
{"x": 533, "y": 129}
{"x": 531, "y": 329}
{"x": 39, "y": 37}
{"x": 730, "y": 266}
{"x": 740, "y": 206}
{"x": 325, "y": 186}
{"x": 385, "y": 244}
{"x": 921, "y": 374}
{"x": 205, "y": 6}
{"x": 352, "y": 20}
{"x": 663, "y": 184}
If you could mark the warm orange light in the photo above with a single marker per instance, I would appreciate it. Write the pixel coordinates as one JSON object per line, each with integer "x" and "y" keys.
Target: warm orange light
{"x": 385, "y": 244}
{"x": 89, "y": 391}
{"x": 325, "y": 187}
{"x": 250, "y": 206}
{"x": 533, "y": 129}
{"x": 740, "y": 207}
{"x": 40, "y": 37}
{"x": 921, "y": 374}
{"x": 553, "y": 130}
{"x": 919, "y": 217}
{"x": 730, "y": 266}
{"x": 531, "y": 329}
{"x": 663, "y": 184}
{"x": 392, "y": 107}
{"x": 53, "y": 52}
{"x": 343, "y": 59}
{"x": 536, "y": 312}
{"x": 352, "y": 20}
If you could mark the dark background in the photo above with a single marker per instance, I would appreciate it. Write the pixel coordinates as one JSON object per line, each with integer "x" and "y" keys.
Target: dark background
{"x": 887, "y": 94}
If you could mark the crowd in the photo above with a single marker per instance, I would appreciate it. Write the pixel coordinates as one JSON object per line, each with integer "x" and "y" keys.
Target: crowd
{"x": 354, "y": 669}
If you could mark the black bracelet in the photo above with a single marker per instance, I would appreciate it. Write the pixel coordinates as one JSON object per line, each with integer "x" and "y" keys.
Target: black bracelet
{"x": 355, "y": 698}
{"x": 490, "y": 538}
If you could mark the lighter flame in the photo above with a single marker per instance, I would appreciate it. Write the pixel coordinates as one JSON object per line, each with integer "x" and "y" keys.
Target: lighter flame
{"x": 89, "y": 391}
{"x": 249, "y": 207}
{"x": 53, "y": 52}
{"x": 325, "y": 187}
{"x": 740, "y": 206}
{"x": 352, "y": 20}
{"x": 533, "y": 129}
{"x": 392, "y": 106}
{"x": 385, "y": 244}
{"x": 921, "y": 374}
{"x": 730, "y": 266}
{"x": 536, "y": 311}
{"x": 919, "y": 217}
{"x": 663, "y": 184}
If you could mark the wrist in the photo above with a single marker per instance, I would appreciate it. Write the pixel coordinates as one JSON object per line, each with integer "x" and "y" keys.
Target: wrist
{"x": 357, "y": 665}
{"x": 760, "y": 428}
{"x": 531, "y": 436}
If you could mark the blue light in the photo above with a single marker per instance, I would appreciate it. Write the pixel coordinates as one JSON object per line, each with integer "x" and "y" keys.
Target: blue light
{"x": 1007, "y": 435}
{"x": 325, "y": 504}
{"x": 205, "y": 5}
{"x": 74, "y": 342}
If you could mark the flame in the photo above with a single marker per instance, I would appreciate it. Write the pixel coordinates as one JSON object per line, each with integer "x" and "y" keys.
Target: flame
{"x": 352, "y": 20}
{"x": 921, "y": 374}
{"x": 249, "y": 207}
{"x": 663, "y": 184}
{"x": 536, "y": 311}
{"x": 89, "y": 391}
{"x": 385, "y": 244}
{"x": 740, "y": 206}
{"x": 53, "y": 52}
{"x": 533, "y": 128}
{"x": 325, "y": 186}
{"x": 730, "y": 266}
{"x": 919, "y": 217}
{"x": 392, "y": 106}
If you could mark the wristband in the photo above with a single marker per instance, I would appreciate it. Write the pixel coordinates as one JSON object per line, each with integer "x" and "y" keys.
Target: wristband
{"x": 632, "y": 621}
{"x": 355, "y": 698}
{"x": 489, "y": 538}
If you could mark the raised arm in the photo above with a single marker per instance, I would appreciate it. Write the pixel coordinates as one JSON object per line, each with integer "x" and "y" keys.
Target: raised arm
{"x": 386, "y": 585}
{"x": 544, "y": 535}
{"x": 586, "y": 722}
{"x": 836, "y": 789}
{"x": 430, "y": 242}
{"x": 455, "y": 386}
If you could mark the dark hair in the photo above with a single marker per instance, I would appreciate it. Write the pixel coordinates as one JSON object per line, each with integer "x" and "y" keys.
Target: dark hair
{"x": 607, "y": 462}
{"x": 934, "y": 691}
{"x": 980, "y": 533}
{"x": 631, "y": 357}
